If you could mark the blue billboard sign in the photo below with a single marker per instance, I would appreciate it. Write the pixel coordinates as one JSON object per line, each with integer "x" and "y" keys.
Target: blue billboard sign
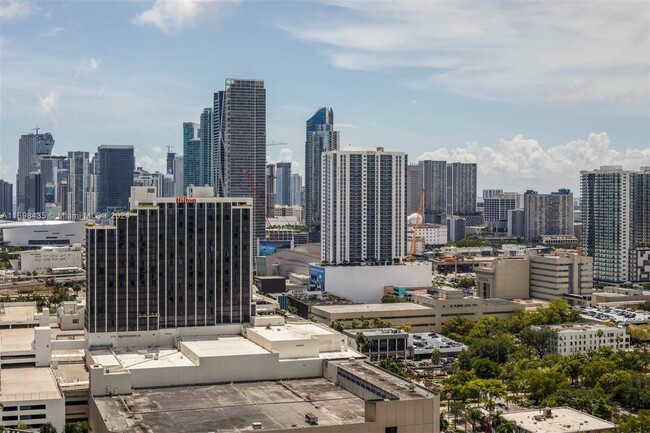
{"x": 269, "y": 247}
{"x": 316, "y": 278}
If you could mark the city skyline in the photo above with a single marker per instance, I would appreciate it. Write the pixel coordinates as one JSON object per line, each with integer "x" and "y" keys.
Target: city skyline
{"x": 520, "y": 139}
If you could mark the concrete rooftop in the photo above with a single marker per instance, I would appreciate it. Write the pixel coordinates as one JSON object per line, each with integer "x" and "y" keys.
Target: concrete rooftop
{"x": 563, "y": 420}
{"x": 292, "y": 331}
{"x": 16, "y": 339}
{"x": 30, "y": 383}
{"x": 16, "y": 313}
{"x": 371, "y": 308}
{"x": 232, "y": 407}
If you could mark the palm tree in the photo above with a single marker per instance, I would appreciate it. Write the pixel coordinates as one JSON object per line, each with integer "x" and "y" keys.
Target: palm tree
{"x": 502, "y": 425}
{"x": 475, "y": 416}
{"x": 436, "y": 356}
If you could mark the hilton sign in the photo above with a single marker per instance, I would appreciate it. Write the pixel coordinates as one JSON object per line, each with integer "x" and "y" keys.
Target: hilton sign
{"x": 183, "y": 200}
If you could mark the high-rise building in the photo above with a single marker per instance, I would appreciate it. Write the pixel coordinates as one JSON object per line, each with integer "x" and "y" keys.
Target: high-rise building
{"x": 614, "y": 205}
{"x": 432, "y": 176}
{"x": 487, "y": 193}
{"x": 412, "y": 188}
{"x": 6, "y": 200}
{"x": 461, "y": 188}
{"x": 296, "y": 190}
{"x": 496, "y": 207}
{"x": 320, "y": 138}
{"x": 179, "y": 175}
{"x": 283, "y": 183}
{"x": 174, "y": 263}
{"x": 78, "y": 185}
{"x": 54, "y": 172}
{"x": 192, "y": 163}
{"x": 270, "y": 190}
{"x": 30, "y": 146}
{"x": 456, "y": 228}
{"x": 363, "y": 205}
{"x": 239, "y": 140}
{"x": 116, "y": 166}
{"x": 207, "y": 172}
{"x": 547, "y": 214}
{"x": 170, "y": 161}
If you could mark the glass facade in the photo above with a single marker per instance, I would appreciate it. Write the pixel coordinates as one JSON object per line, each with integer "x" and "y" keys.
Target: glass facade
{"x": 116, "y": 166}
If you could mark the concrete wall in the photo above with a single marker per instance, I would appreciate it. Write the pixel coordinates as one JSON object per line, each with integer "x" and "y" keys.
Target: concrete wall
{"x": 51, "y": 258}
{"x": 366, "y": 283}
{"x": 222, "y": 369}
{"x": 54, "y": 412}
{"x": 505, "y": 278}
{"x": 19, "y": 235}
{"x": 157, "y": 338}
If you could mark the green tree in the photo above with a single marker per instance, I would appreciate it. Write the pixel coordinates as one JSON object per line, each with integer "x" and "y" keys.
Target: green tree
{"x": 540, "y": 383}
{"x": 363, "y": 343}
{"x": 76, "y": 427}
{"x": 436, "y": 356}
{"x": 485, "y": 368}
{"x": 393, "y": 366}
{"x": 634, "y": 424}
{"x": 594, "y": 370}
{"x": 21, "y": 426}
{"x": 538, "y": 339}
{"x": 47, "y": 428}
{"x": 392, "y": 299}
{"x": 459, "y": 326}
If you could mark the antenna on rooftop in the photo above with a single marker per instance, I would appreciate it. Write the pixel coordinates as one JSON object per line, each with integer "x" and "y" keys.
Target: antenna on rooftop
{"x": 36, "y": 129}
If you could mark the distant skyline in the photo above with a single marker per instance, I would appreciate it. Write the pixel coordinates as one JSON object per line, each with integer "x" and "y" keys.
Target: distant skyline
{"x": 533, "y": 92}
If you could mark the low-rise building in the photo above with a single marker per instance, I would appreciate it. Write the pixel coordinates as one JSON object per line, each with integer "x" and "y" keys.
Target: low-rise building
{"x": 433, "y": 234}
{"x": 48, "y": 257}
{"x": 565, "y": 275}
{"x": 31, "y": 396}
{"x": 580, "y": 338}
{"x": 557, "y": 420}
{"x": 33, "y": 233}
{"x": 419, "y": 317}
{"x": 382, "y": 342}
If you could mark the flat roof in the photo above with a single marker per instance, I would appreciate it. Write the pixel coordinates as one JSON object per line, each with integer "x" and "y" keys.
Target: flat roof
{"x": 371, "y": 308}
{"x": 376, "y": 331}
{"x": 223, "y": 346}
{"x": 232, "y": 407}
{"x": 31, "y": 383}
{"x": 17, "y": 313}
{"x": 582, "y": 327}
{"x": 292, "y": 331}
{"x": 16, "y": 339}
{"x": 72, "y": 374}
{"x": 384, "y": 379}
{"x": 134, "y": 359}
{"x": 563, "y": 420}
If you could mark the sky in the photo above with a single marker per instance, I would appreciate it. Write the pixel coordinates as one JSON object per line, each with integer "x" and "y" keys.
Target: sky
{"x": 533, "y": 92}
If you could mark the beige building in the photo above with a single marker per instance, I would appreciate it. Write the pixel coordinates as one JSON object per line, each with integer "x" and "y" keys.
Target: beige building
{"x": 426, "y": 313}
{"x": 580, "y": 338}
{"x": 419, "y": 317}
{"x": 272, "y": 376}
{"x": 506, "y": 278}
{"x": 565, "y": 275}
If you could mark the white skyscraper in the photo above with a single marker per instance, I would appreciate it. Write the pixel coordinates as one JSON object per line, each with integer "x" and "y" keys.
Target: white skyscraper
{"x": 614, "y": 216}
{"x": 363, "y": 205}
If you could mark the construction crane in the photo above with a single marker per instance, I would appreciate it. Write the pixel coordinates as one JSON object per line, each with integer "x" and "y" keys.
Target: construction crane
{"x": 260, "y": 205}
{"x": 417, "y": 224}
{"x": 275, "y": 143}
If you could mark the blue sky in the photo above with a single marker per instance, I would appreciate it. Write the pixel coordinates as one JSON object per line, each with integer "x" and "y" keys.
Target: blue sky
{"x": 533, "y": 91}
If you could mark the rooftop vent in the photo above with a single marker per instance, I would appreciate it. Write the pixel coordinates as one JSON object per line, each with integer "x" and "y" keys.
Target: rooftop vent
{"x": 257, "y": 425}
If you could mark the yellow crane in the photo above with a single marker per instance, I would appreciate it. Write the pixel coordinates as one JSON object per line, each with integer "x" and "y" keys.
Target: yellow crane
{"x": 417, "y": 224}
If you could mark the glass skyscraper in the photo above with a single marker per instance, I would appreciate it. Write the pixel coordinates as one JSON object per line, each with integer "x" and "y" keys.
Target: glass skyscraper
{"x": 320, "y": 138}
{"x": 116, "y": 166}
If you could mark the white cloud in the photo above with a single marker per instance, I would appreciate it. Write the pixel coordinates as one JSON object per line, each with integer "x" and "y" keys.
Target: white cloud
{"x": 6, "y": 172}
{"x": 286, "y": 155}
{"x": 152, "y": 163}
{"x": 553, "y": 52}
{"x": 523, "y": 163}
{"x": 173, "y": 16}
{"x": 88, "y": 65}
{"x": 52, "y": 32}
{"x": 16, "y": 9}
{"x": 48, "y": 105}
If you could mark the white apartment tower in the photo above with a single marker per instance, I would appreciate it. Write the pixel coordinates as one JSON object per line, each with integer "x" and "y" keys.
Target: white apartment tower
{"x": 614, "y": 208}
{"x": 363, "y": 203}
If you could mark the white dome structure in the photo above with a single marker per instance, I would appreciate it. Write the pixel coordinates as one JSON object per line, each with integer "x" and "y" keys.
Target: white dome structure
{"x": 414, "y": 218}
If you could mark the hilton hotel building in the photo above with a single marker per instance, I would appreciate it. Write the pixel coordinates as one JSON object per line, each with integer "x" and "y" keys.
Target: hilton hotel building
{"x": 169, "y": 265}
